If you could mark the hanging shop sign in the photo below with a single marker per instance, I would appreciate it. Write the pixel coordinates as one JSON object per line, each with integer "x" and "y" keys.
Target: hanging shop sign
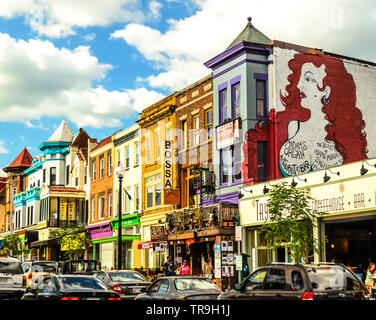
{"x": 168, "y": 154}
{"x": 157, "y": 233}
{"x": 227, "y": 134}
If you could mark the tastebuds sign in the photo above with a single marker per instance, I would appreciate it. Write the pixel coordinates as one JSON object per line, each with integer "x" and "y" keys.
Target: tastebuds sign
{"x": 168, "y": 165}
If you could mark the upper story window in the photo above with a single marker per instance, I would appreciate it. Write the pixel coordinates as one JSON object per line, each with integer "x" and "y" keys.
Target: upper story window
{"x": 101, "y": 167}
{"x": 158, "y": 144}
{"x": 136, "y": 154}
{"x": 127, "y": 158}
{"x": 262, "y": 160}
{"x": 261, "y": 111}
{"x": 109, "y": 163}
{"x": 222, "y": 105}
{"x": 67, "y": 175}
{"x": 235, "y": 100}
{"x": 184, "y": 132}
{"x": 147, "y": 149}
{"x": 209, "y": 123}
{"x": 196, "y": 130}
{"x": 53, "y": 176}
{"x": 93, "y": 167}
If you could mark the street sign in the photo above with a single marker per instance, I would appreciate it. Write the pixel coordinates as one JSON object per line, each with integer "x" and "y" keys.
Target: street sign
{"x": 238, "y": 233}
{"x": 238, "y": 262}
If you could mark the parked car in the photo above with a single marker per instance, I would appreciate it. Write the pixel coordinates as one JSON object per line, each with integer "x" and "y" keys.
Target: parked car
{"x": 126, "y": 283}
{"x": 322, "y": 281}
{"x": 35, "y": 271}
{"x": 71, "y": 287}
{"x": 12, "y": 280}
{"x": 84, "y": 267}
{"x": 180, "y": 288}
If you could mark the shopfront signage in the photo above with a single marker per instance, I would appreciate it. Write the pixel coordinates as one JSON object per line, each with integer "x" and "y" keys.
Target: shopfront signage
{"x": 157, "y": 233}
{"x": 168, "y": 165}
{"x": 354, "y": 196}
{"x": 227, "y": 134}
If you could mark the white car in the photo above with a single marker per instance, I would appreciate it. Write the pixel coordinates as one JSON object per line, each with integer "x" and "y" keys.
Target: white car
{"x": 12, "y": 280}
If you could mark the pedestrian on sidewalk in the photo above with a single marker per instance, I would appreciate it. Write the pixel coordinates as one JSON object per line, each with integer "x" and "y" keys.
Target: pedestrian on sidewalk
{"x": 184, "y": 269}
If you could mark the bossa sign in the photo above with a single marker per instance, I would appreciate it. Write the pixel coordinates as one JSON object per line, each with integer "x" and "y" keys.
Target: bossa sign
{"x": 168, "y": 165}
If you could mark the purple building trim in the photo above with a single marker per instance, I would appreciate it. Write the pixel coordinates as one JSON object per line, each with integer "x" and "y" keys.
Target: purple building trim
{"x": 230, "y": 53}
{"x": 231, "y": 197}
{"x": 222, "y": 86}
{"x": 235, "y": 79}
{"x": 240, "y": 63}
{"x": 260, "y": 76}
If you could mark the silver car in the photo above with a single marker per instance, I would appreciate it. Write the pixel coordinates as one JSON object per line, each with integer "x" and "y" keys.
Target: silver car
{"x": 12, "y": 280}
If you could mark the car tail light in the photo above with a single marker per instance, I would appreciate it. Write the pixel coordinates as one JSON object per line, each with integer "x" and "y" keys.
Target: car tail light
{"x": 30, "y": 275}
{"x": 114, "y": 298}
{"x": 23, "y": 280}
{"x": 70, "y": 298}
{"x": 307, "y": 295}
{"x": 117, "y": 289}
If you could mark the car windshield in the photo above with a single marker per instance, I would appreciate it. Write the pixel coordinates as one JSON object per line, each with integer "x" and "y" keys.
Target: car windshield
{"x": 43, "y": 267}
{"x": 193, "y": 284}
{"x": 10, "y": 266}
{"x": 126, "y": 276}
{"x": 81, "y": 283}
{"x": 327, "y": 278}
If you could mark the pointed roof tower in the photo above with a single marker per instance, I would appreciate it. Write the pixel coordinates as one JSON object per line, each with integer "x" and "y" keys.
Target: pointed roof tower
{"x": 250, "y": 34}
{"x": 23, "y": 161}
{"x": 62, "y": 134}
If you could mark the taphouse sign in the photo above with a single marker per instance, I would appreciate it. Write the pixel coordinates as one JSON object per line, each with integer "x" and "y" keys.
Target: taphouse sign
{"x": 356, "y": 197}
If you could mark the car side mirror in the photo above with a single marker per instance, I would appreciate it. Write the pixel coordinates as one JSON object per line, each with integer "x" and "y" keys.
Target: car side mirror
{"x": 143, "y": 290}
{"x": 238, "y": 286}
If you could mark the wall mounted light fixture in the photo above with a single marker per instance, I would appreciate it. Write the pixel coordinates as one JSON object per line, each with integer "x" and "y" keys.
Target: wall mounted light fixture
{"x": 326, "y": 177}
{"x": 363, "y": 170}
{"x": 266, "y": 189}
{"x": 241, "y": 195}
{"x": 294, "y": 183}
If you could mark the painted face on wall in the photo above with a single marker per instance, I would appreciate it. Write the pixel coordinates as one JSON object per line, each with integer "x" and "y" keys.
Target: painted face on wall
{"x": 310, "y": 85}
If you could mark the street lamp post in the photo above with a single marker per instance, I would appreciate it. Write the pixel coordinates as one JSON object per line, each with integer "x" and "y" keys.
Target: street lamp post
{"x": 119, "y": 172}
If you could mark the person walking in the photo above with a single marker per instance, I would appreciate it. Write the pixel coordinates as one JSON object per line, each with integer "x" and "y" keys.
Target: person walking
{"x": 169, "y": 267}
{"x": 184, "y": 269}
{"x": 207, "y": 268}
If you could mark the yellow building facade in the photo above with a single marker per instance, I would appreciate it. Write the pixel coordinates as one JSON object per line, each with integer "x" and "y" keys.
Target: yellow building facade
{"x": 159, "y": 178}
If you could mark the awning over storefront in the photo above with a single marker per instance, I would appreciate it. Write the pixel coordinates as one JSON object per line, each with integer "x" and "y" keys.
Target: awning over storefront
{"x": 98, "y": 231}
{"x": 50, "y": 242}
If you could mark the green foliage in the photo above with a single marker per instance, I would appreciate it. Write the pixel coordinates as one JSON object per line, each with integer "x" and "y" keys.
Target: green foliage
{"x": 13, "y": 246}
{"x": 292, "y": 221}
{"x": 73, "y": 240}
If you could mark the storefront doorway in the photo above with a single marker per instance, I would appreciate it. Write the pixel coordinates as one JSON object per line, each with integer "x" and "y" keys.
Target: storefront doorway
{"x": 351, "y": 241}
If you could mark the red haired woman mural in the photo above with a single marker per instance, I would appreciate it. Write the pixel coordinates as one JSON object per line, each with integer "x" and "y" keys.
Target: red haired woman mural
{"x": 321, "y": 126}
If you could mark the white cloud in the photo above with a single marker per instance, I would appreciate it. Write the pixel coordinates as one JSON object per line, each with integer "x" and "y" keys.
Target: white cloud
{"x": 3, "y": 149}
{"x": 89, "y": 37}
{"x": 155, "y": 7}
{"x": 2, "y": 173}
{"x": 38, "y": 79}
{"x": 345, "y": 28}
{"x": 58, "y": 18}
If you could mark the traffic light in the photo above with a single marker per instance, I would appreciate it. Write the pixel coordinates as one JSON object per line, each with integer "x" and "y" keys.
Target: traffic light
{"x": 236, "y": 220}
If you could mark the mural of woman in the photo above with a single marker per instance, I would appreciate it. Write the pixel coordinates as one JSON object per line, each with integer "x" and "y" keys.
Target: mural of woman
{"x": 321, "y": 126}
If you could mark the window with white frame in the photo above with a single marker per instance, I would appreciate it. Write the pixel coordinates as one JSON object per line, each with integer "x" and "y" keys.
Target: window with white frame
{"x": 127, "y": 201}
{"x": 101, "y": 207}
{"x": 153, "y": 191}
{"x": 93, "y": 208}
{"x": 101, "y": 167}
{"x": 137, "y": 197}
{"x": 109, "y": 205}
{"x": 196, "y": 130}
{"x": 158, "y": 144}
{"x": 109, "y": 163}
{"x": 136, "y": 154}
{"x": 93, "y": 168}
{"x": 127, "y": 158}
{"x": 147, "y": 149}
{"x": 118, "y": 160}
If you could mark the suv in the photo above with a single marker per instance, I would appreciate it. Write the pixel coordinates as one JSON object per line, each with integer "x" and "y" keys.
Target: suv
{"x": 35, "y": 271}
{"x": 12, "y": 280}
{"x": 282, "y": 281}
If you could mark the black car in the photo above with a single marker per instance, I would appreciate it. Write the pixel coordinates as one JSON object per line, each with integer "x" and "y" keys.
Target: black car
{"x": 71, "y": 287}
{"x": 321, "y": 281}
{"x": 84, "y": 267}
{"x": 126, "y": 283}
{"x": 180, "y": 288}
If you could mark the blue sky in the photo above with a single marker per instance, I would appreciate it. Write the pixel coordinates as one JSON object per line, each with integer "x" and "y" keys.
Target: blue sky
{"x": 98, "y": 63}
